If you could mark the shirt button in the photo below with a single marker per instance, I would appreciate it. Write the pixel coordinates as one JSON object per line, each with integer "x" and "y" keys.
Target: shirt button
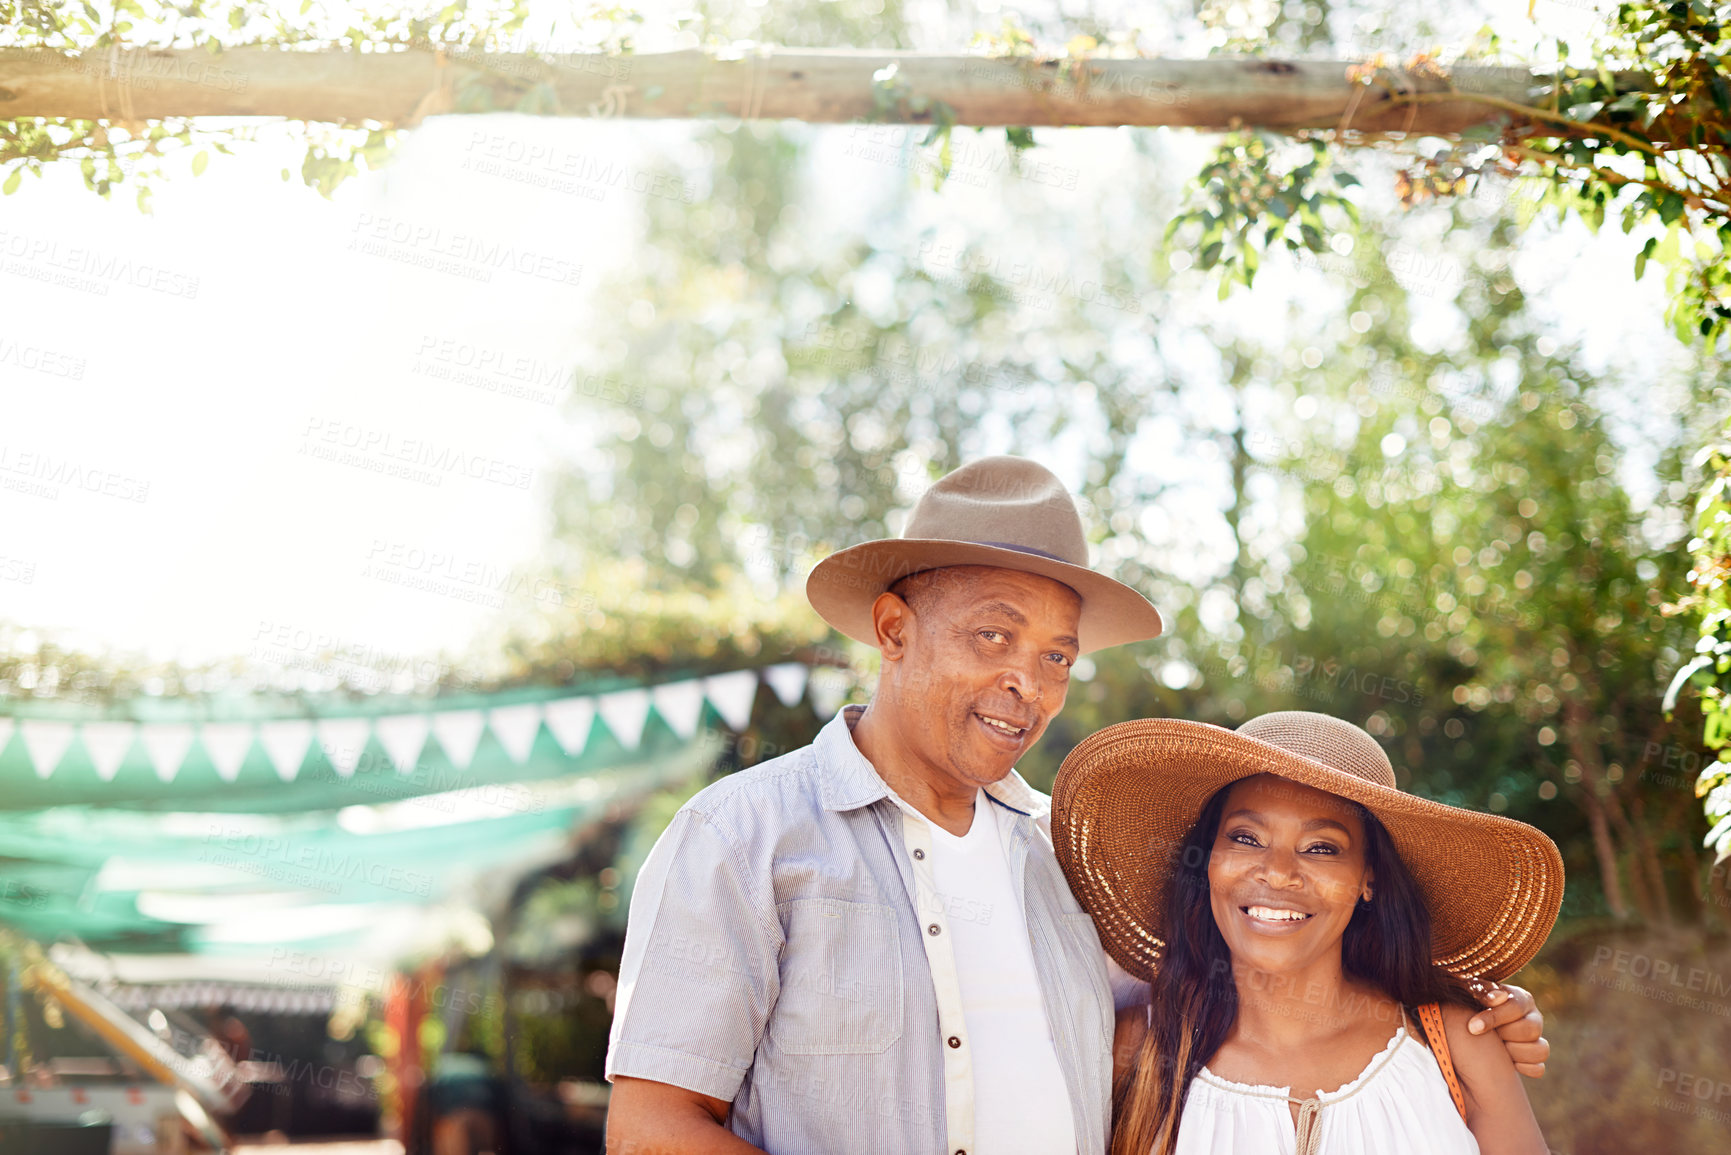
{"x": 934, "y": 929}
{"x": 919, "y": 854}
{"x": 955, "y": 1042}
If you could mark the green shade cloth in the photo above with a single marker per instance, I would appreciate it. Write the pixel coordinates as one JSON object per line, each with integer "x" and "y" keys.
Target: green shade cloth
{"x": 203, "y": 864}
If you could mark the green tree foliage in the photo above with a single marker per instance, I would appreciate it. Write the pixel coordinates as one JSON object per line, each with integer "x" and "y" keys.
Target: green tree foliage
{"x": 798, "y": 382}
{"x": 1708, "y": 603}
{"x": 1643, "y": 135}
{"x": 1435, "y": 540}
{"x": 1246, "y": 205}
{"x": 1480, "y": 589}
{"x": 798, "y": 387}
{"x": 1471, "y": 581}
{"x": 1495, "y": 595}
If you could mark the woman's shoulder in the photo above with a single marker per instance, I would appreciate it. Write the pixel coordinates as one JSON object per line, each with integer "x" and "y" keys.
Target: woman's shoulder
{"x": 1472, "y": 1055}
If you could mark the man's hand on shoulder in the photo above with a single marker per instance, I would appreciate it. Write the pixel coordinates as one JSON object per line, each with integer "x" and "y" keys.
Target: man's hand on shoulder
{"x": 1512, "y": 1014}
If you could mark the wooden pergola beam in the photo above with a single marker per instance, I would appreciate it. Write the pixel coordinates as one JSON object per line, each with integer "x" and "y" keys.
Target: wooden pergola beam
{"x": 818, "y": 86}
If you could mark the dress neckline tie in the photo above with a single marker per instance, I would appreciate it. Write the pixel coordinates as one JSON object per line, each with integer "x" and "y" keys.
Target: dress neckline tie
{"x": 1308, "y": 1138}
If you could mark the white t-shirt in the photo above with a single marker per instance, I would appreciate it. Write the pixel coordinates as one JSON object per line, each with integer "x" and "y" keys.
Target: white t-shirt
{"x": 1021, "y": 1104}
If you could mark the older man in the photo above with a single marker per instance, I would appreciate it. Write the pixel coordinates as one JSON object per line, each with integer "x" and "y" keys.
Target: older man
{"x": 866, "y": 945}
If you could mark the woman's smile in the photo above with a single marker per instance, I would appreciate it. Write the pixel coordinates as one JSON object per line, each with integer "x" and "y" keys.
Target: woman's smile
{"x": 1267, "y": 919}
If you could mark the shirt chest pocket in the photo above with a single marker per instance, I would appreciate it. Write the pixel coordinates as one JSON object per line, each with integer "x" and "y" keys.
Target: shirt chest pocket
{"x": 841, "y": 979}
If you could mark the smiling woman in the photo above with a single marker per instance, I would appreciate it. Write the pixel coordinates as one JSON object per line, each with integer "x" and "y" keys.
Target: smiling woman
{"x": 1289, "y": 859}
{"x": 1304, "y": 908}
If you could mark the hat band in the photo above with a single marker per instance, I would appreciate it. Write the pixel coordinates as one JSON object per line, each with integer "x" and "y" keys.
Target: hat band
{"x": 1024, "y": 549}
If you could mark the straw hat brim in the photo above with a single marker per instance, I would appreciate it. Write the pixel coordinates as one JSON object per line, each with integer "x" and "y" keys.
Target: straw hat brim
{"x": 1127, "y": 795}
{"x": 843, "y": 586}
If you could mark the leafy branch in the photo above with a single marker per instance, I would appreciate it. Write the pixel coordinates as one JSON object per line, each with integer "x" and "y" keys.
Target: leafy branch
{"x": 1654, "y": 153}
{"x": 894, "y": 99}
{"x": 1242, "y": 205}
{"x": 1709, "y": 672}
{"x": 117, "y": 149}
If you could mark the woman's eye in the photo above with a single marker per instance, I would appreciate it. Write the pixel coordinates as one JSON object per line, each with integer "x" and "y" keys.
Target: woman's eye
{"x": 1241, "y": 839}
{"x": 1322, "y": 848}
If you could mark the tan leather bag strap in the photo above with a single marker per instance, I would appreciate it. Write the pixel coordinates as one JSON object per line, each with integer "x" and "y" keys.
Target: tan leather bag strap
{"x": 1430, "y": 1018}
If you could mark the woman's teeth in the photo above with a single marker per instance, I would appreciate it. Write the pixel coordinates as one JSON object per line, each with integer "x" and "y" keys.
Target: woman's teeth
{"x": 1271, "y": 914}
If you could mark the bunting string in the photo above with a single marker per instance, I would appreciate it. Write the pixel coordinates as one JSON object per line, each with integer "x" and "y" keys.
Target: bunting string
{"x": 402, "y": 740}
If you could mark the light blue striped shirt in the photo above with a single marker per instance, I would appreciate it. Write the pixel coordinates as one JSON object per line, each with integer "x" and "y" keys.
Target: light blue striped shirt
{"x": 779, "y": 955}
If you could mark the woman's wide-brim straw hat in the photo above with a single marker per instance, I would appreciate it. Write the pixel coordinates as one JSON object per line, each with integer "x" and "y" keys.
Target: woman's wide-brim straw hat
{"x": 1127, "y": 796}
{"x": 1007, "y": 512}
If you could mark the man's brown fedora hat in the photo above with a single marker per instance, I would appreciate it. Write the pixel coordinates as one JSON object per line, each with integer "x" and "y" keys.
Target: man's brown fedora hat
{"x": 1007, "y": 512}
{"x": 1127, "y": 796}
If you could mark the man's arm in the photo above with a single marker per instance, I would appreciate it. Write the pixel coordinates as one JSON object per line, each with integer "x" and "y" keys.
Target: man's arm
{"x": 697, "y": 979}
{"x": 649, "y": 1118}
{"x": 1513, "y": 1015}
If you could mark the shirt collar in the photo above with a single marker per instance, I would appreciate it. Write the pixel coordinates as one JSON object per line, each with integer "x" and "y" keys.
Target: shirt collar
{"x": 847, "y": 781}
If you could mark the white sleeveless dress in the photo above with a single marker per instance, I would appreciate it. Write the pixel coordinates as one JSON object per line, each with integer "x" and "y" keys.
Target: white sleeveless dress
{"x": 1399, "y": 1103}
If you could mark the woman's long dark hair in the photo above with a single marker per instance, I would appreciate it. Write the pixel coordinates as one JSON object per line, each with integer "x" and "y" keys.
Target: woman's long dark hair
{"x": 1194, "y": 1000}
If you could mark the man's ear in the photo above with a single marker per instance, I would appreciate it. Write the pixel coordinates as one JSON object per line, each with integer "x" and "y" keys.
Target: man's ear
{"x": 892, "y": 618}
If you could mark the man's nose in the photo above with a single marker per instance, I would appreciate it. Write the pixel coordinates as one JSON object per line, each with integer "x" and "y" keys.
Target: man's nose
{"x": 1024, "y": 684}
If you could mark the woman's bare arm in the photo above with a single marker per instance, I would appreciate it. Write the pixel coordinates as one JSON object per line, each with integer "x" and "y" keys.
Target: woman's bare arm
{"x": 1498, "y": 1113}
{"x": 1126, "y": 1037}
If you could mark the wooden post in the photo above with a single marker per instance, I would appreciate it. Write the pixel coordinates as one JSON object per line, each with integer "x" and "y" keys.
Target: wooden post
{"x": 817, "y": 86}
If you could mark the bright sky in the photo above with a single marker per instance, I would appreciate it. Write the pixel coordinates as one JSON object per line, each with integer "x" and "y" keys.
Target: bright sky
{"x": 264, "y": 409}
{"x": 260, "y": 420}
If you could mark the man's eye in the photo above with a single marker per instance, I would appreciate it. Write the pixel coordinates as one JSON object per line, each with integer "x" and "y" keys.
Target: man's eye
{"x": 992, "y": 635}
{"x": 1063, "y": 659}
